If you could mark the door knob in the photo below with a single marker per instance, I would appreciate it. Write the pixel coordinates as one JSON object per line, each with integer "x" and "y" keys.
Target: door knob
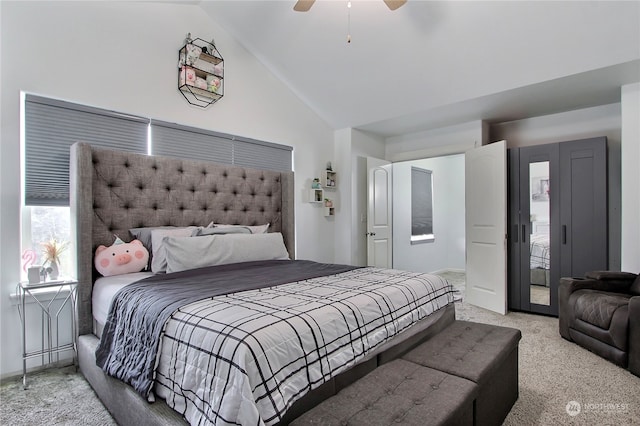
{"x": 371, "y": 234}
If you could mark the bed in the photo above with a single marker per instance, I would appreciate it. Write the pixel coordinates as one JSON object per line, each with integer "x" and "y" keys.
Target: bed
{"x": 113, "y": 192}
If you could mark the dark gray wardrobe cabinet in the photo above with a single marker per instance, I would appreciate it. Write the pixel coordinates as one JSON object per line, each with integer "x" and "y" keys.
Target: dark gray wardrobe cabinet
{"x": 557, "y": 219}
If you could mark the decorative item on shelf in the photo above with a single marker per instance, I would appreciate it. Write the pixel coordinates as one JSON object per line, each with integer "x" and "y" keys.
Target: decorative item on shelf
{"x": 201, "y": 72}
{"x": 28, "y": 259}
{"x": 187, "y": 76}
{"x": 52, "y": 250}
{"x": 213, "y": 83}
{"x": 316, "y": 183}
{"x": 34, "y": 274}
{"x": 329, "y": 166}
{"x": 328, "y": 202}
{"x": 329, "y": 177}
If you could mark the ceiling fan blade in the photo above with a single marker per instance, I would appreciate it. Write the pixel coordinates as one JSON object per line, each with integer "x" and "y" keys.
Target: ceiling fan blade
{"x": 394, "y": 4}
{"x": 303, "y": 5}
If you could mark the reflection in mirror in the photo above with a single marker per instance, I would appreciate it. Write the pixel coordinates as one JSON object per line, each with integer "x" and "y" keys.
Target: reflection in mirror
{"x": 539, "y": 253}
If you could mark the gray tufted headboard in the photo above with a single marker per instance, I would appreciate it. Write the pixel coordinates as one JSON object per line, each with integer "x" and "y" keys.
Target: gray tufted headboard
{"x": 114, "y": 191}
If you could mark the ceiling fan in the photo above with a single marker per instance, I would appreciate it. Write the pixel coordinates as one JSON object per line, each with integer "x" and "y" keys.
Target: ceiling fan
{"x": 305, "y": 5}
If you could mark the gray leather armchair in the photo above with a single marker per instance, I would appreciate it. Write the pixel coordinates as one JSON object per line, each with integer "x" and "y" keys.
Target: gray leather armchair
{"x": 601, "y": 312}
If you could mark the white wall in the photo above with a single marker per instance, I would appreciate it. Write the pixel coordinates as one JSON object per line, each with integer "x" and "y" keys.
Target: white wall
{"x": 447, "y": 251}
{"x": 123, "y": 56}
{"x": 437, "y": 142}
{"x": 578, "y": 124}
{"x": 630, "y": 172}
{"x": 352, "y": 147}
{"x": 364, "y": 145}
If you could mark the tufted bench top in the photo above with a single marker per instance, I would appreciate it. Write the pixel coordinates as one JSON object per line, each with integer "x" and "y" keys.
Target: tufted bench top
{"x": 398, "y": 392}
{"x": 467, "y": 349}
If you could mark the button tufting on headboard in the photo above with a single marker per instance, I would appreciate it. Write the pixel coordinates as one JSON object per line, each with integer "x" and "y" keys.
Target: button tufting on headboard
{"x": 116, "y": 191}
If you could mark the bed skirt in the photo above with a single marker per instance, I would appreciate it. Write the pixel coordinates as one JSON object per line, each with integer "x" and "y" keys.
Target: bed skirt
{"x": 129, "y": 408}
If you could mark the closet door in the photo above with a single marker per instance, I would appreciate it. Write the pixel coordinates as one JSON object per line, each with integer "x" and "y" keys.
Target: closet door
{"x": 538, "y": 219}
{"x": 557, "y": 219}
{"x": 583, "y": 210}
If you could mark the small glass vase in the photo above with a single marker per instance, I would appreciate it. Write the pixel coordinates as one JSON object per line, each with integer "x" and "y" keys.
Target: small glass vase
{"x": 55, "y": 271}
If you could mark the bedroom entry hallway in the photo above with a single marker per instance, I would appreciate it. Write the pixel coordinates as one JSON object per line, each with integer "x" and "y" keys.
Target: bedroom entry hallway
{"x": 446, "y": 251}
{"x": 466, "y": 217}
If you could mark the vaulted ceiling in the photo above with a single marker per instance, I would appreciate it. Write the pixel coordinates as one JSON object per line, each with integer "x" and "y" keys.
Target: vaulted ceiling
{"x": 432, "y": 64}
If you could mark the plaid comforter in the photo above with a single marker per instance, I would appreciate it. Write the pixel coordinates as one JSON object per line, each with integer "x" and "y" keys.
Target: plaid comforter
{"x": 245, "y": 357}
{"x": 540, "y": 251}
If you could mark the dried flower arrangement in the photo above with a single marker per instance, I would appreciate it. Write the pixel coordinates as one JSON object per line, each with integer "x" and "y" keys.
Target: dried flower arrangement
{"x": 52, "y": 250}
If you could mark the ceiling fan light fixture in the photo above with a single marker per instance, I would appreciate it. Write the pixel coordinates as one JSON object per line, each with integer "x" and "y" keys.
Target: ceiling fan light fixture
{"x": 305, "y": 5}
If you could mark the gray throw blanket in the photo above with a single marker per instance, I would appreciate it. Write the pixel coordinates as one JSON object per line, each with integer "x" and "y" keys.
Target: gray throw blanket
{"x": 131, "y": 337}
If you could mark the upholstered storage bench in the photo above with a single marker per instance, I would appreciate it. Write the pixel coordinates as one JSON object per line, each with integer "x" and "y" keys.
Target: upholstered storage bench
{"x": 484, "y": 354}
{"x": 399, "y": 392}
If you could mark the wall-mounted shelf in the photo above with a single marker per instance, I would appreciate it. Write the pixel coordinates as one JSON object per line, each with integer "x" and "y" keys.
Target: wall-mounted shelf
{"x": 316, "y": 195}
{"x": 200, "y": 72}
{"x": 329, "y": 179}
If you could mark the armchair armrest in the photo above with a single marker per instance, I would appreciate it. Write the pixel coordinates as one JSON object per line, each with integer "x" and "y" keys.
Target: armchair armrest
{"x": 565, "y": 311}
{"x": 634, "y": 335}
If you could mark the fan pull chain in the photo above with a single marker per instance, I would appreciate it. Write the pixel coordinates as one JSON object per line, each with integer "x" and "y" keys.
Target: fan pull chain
{"x": 348, "y": 22}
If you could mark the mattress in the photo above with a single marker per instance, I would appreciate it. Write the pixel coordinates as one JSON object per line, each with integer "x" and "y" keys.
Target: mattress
{"x": 103, "y": 291}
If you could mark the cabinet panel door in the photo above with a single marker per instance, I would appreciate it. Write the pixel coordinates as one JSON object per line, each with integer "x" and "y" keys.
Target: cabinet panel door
{"x": 538, "y": 220}
{"x": 583, "y": 210}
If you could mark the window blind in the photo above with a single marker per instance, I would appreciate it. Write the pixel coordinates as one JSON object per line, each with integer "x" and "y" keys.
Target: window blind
{"x": 421, "y": 204}
{"x": 261, "y": 155}
{"x": 174, "y": 140}
{"x": 181, "y": 141}
{"x": 52, "y": 126}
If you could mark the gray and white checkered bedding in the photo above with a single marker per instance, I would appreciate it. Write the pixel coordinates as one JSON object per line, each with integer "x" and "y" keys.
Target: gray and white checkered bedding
{"x": 244, "y": 358}
{"x": 539, "y": 248}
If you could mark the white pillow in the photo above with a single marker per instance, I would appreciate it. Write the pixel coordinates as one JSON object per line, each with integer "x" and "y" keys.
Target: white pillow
{"x": 257, "y": 229}
{"x": 198, "y": 252}
{"x": 159, "y": 259}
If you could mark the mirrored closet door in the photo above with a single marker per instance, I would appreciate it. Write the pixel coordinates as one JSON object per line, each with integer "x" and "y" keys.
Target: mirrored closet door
{"x": 557, "y": 219}
{"x": 533, "y": 175}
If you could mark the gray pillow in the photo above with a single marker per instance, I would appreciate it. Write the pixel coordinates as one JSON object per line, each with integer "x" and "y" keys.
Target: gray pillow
{"x": 210, "y": 250}
{"x": 255, "y": 229}
{"x": 144, "y": 235}
{"x": 221, "y": 231}
{"x": 158, "y": 260}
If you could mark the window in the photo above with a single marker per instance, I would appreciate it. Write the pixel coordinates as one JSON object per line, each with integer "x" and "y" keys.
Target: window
{"x": 51, "y": 126}
{"x": 421, "y": 206}
{"x": 42, "y": 224}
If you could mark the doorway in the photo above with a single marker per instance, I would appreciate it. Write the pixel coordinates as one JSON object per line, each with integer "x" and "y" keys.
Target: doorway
{"x": 446, "y": 250}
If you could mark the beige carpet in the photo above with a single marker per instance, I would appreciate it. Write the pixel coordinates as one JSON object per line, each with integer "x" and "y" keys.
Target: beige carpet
{"x": 554, "y": 373}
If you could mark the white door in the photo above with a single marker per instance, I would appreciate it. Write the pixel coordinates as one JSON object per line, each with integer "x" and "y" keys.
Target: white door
{"x": 486, "y": 226}
{"x": 379, "y": 235}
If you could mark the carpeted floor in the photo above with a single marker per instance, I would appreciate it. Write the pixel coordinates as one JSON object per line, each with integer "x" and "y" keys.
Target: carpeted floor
{"x": 553, "y": 374}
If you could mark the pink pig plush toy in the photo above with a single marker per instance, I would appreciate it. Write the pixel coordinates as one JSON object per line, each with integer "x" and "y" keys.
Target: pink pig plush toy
{"x": 121, "y": 258}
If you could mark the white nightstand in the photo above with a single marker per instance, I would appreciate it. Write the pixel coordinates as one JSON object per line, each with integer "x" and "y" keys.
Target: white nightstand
{"x": 45, "y": 294}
